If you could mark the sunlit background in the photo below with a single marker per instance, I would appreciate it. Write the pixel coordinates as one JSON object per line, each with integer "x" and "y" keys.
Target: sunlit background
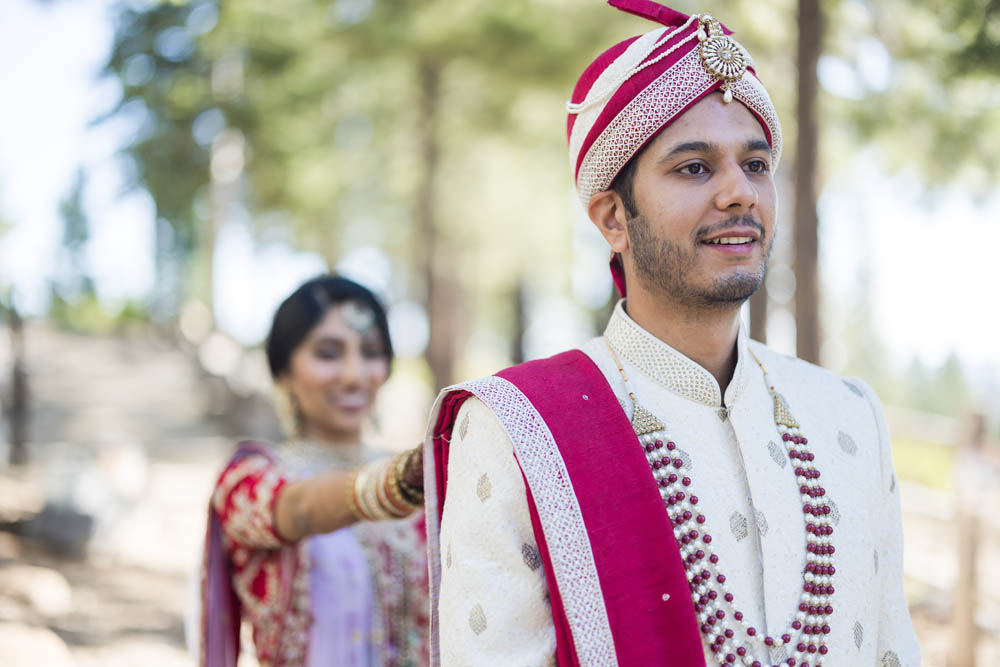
{"x": 170, "y": 170}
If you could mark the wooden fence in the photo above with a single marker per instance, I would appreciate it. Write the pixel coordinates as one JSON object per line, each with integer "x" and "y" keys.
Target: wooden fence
{"x": 966, "y": 507}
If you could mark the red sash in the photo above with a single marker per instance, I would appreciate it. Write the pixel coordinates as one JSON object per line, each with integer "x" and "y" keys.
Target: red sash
{"x": 642, "y": 579}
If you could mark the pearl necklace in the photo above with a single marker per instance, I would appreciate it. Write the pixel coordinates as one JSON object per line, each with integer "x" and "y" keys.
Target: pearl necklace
{"x": 714, "y": 604}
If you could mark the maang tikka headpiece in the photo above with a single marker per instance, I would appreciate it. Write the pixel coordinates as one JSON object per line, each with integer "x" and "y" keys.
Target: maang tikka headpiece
{"x": 722, "y": 56}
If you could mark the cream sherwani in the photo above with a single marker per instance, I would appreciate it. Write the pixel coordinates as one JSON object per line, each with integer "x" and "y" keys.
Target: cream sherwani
{"x": 493, "y": 605}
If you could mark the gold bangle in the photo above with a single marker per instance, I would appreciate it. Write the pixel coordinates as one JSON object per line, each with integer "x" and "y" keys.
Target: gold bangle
{"x": 380, "y": 494}
{"x": 395, "y": 502}
{"x": 352, "y": 496}
{"x": 375, "y": 492}
{"x": 360, "y": 482}
{"x": 399, "y": 503}
{"x": 376, "y": 505}
{"x": 391, "y": 506}
{"x": 395, "y": 483}
{"x": 366, "y": 502}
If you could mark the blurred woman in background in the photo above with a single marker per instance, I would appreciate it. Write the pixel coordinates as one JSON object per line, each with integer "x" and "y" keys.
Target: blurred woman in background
{"x": 318, "y": 542}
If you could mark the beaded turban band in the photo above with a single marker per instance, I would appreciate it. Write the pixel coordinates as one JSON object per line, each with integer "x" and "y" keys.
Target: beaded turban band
{"x": 639, "y": 86}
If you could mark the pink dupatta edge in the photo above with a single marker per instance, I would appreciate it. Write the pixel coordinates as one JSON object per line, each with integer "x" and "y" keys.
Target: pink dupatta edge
{"x": 221, "y": 610}
{"x": 644, "y": 591}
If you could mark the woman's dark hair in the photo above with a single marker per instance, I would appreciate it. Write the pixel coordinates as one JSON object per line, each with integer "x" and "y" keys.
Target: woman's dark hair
{"x": 306, "y": 306}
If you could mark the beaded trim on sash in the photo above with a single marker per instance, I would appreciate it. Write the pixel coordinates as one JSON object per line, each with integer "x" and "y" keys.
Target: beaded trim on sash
{"x": 559, "y": 510}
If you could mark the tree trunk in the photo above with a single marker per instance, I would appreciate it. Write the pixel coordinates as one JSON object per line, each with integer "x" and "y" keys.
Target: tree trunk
{"x": 806, "y": 219}
{"x": 520, "y": 322}
{"x": 223, "y": 193}
{"x": 442, "y": 292}
{"x": 17, "y": 414}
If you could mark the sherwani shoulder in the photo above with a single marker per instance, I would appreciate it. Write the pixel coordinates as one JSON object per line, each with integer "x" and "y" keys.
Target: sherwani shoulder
{"x": 493, "y": 605}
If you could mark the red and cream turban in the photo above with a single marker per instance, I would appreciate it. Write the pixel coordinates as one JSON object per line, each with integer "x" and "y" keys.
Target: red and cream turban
{"x": 639, "y": 86}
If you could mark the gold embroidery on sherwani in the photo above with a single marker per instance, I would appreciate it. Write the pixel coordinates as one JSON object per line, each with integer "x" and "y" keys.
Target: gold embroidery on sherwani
{"x": 886, "y": 624}
{"x": 477, "y": 619}
{"x": 484, "y": 488}
{"x": 530, "y": 555}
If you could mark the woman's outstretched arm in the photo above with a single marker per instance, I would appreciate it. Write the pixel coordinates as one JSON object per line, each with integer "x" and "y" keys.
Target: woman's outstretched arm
{"x": 386, "y": 489}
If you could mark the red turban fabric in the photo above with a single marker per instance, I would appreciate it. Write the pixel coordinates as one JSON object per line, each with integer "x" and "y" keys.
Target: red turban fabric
{"x": 639, "y": 86}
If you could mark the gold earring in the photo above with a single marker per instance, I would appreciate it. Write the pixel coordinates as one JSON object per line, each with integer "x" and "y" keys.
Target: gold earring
{"x": 288, "y": 411}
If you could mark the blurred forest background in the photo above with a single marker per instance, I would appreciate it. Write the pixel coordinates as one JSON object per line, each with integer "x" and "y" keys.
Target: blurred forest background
{"x": 226, "y": 151}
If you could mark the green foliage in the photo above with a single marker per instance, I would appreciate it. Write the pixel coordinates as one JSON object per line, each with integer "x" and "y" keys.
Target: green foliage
{"x": 87, "y": 315}
{"x": 944, "y": 390}
{"x": 327, "y": 96}
{"x": 938, "y": 114}
{"x": 73, "y": 278}
{"x": 166, "y": 86}
{"x": 326, "y": 99}
{"x": 76, "y": 230}
{"x": 979, "y": 25}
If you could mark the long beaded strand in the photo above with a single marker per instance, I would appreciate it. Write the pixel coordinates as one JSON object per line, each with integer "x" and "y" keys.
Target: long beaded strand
{"x": 714, "y": 603}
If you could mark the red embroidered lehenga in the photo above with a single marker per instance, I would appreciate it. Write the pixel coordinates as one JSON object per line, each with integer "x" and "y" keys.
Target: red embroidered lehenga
{"x": 357, "y": 596}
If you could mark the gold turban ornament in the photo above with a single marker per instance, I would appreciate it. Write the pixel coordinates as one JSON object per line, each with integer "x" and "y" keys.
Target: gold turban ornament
{"x": 722, "y": 56}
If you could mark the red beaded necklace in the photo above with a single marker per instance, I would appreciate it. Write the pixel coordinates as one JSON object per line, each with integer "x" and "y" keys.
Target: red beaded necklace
{"x": 714, "y": 603}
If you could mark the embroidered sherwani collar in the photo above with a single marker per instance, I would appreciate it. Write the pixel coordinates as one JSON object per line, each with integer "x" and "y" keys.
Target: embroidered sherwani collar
{"x": 670, "y": 368}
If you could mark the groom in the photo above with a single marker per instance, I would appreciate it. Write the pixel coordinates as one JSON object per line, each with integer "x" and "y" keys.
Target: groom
{"x": 672, "y": 493}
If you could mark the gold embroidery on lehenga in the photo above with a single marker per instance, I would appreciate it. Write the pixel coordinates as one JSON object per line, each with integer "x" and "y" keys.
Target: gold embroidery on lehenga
{"x": 278, "y": 605}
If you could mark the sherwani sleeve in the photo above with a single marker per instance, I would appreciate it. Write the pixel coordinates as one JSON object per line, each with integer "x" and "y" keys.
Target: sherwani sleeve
{"x": 493, "y": 605}
{"x": 896, "y": 637}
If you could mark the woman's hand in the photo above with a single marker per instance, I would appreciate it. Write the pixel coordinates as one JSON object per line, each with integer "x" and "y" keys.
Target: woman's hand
{"x": 413, "y": 473}
{"x": 411, "y": 478}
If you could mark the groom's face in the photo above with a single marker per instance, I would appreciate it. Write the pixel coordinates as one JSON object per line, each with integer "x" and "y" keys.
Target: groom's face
{"x": 705, "y": 204}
